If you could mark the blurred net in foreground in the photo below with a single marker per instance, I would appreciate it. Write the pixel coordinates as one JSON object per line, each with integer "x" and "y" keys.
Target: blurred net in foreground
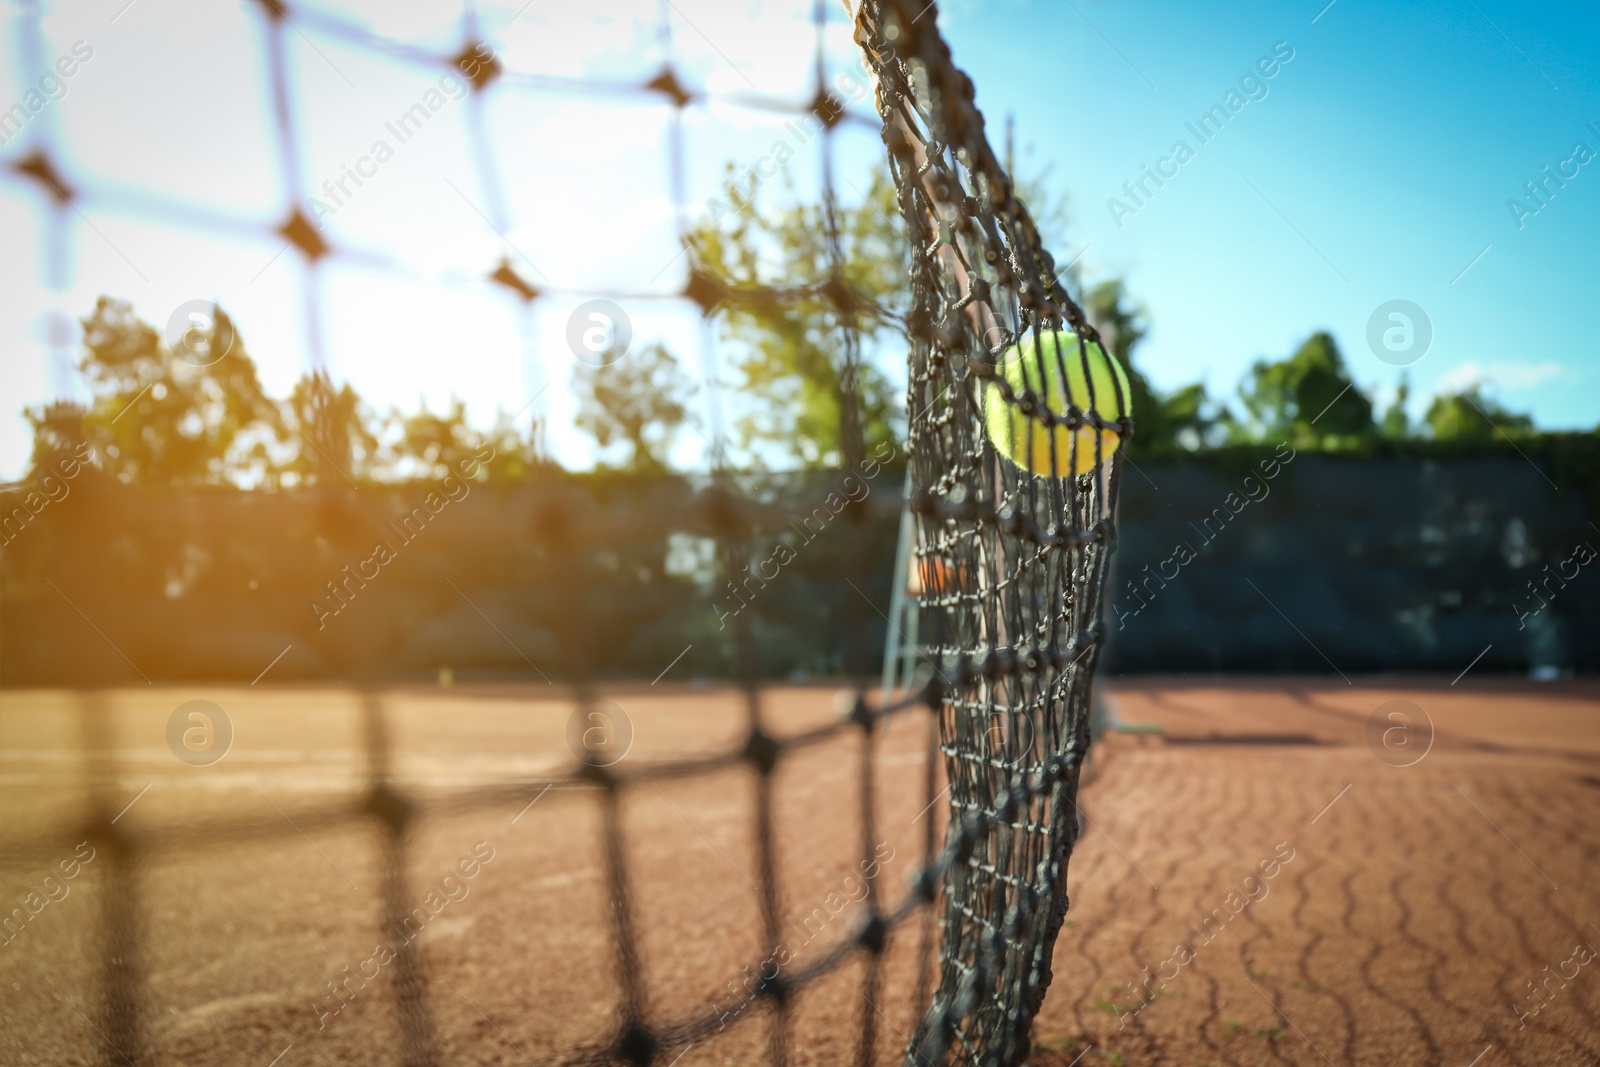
{"x": 1011, "y": 560}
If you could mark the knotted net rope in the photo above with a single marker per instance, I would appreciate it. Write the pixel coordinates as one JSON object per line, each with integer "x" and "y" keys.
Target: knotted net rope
{"x": 1012, "y": 558}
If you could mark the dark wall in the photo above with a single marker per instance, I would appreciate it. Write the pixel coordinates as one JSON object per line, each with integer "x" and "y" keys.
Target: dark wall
{"x": 1354, "y": 565}
{"x": 560, "y": 578}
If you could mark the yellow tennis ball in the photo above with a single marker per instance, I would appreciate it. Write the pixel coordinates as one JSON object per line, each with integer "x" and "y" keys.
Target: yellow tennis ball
{"x": 1025, "y": 439}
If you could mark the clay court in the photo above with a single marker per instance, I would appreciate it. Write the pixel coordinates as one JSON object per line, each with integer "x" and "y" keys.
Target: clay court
{"x": 1408, "y": 915}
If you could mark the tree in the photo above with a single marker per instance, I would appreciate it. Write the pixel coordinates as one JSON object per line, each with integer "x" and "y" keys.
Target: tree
{"x": 1468, "y": 415}
{"x": 1396, "y": 423}
{"x": 1182, "y": 418}
{"x": 638, "y": 401}
{"x": 58, "y": 430}
{"x": 157, "y": 420}
{"x": 791, "y": 371}
{"x": 154, "y": 418}
{"x": 439, "y": 444}
{"x": 516, "y": 456}
{"x": 793, "y": 362}
{"x": 336, "y": 438}
{"x": 1306, "y": 397}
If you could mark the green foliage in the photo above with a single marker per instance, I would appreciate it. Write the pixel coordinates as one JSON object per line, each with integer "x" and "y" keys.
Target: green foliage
{"x": 336, "y": 431}
{"x": 155, "y": 420}
{"x": 440, "y": 443}
{"x": 1184, "y": 418}
{"x": 638, "y": 401}
{"x": 159, "y": 421}
{"x": 58, "y": 430}
{"x": 1468, "y": 415}
{"x": 516, "y": 457}
{"x": 792, "y": 370}
{"x": 1122, "y": 326}
{"x": 790, "y": 373}
{"x": 1306, "y": 397}
{"x": 1396, "y": 423}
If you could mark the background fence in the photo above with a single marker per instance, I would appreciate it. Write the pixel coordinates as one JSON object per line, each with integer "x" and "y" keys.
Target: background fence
{"x": 114, "y": 585}
{"x": 1335, "y": 564}
{"x": 1331, "y": 564}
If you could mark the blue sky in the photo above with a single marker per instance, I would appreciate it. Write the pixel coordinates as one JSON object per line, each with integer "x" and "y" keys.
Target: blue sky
{"x": 1376, "y": 167}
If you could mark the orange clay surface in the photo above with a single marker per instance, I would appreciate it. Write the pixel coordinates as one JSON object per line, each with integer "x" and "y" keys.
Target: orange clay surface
{"x": 1419, "y": 910}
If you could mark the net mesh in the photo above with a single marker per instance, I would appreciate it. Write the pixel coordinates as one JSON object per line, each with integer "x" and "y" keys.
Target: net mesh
{"x": 1012, "y": 558}
{"x": 1010, "y": 561}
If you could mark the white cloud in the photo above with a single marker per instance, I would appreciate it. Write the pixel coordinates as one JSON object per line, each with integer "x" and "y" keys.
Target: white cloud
{"x": 1506, "y": 375}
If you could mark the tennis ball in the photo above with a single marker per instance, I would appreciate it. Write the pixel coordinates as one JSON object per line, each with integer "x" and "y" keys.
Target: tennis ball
{"x": 1025, "y": 439}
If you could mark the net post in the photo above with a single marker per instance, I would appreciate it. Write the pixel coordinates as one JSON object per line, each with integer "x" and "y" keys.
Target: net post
{"x": 897, "y": 644}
